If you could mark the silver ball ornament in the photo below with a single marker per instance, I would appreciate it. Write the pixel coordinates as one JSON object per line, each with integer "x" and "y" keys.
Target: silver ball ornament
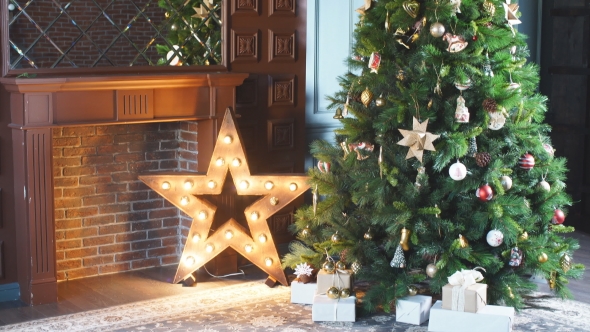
{"x": 437, "y": 30}
{"x": 431, "y": 270}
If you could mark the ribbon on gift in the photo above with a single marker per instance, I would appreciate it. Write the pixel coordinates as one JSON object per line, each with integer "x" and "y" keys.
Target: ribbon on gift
{"x": 460, "y": 280}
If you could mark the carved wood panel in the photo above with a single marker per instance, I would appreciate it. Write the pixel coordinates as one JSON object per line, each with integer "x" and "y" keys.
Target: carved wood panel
{"x": 281, "y": 46}
{"x": 281, "y": 134}
{"x": 282, "y": 7}
{"x": 244, "y": 45}
{"x": 281, "y": 90}
{"x": 245, "y": 7}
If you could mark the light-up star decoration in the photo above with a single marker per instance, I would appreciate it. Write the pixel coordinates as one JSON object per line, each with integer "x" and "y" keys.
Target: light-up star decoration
{"x": 185, "y": 192}
{"x": 417, "y": 140}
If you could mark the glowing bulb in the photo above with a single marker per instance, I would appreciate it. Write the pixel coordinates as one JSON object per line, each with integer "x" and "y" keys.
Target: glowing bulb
{"x": 268, "y": 261}
{"x": 244, "y": 184}
{"x": 188, "y": 185}
{"x": 184, "y": 200}
{"x": 262, "y": 238}
{"x": 211, "y": 184}
{"x": 293, "y": 186}
{"x": 274, "y": 201}
{"x": 229, "y": 234}
{"x": 227, "y": 139}
{"x": 269, "y": 185}
{"x": 166, "y": 185}
{"x": 202, "y": 215}
{"x": 248, "y": 248}
{"x": 254, "y": 216}
{"x": 220, "y": 162}
{"x": 209, "y": 247}
{"x": 236, "y": 162}
{"x": 189, "y": 261}
{"x": 196, "y": 238}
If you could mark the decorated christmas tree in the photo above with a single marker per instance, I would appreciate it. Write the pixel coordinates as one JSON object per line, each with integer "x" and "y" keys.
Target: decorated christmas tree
{"x": 193, "y": 32}
{"x": 443, "y": 162}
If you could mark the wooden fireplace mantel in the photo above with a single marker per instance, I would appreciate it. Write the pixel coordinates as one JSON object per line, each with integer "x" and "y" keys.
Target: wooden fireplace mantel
{"x": 39, "y": 104}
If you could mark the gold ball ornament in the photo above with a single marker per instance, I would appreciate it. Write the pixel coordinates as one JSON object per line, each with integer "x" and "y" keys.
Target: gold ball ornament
{"x": 368, "y": 235}
{"x": 437, "y": 29}
{"x": 355, "y": 267}
{"x": 366, "y": 97}
{"x": 333, "y": 292}
{"x": 524, "y": 236}
{"x": 463, "y": 241}
{"x": 543, "y": 257}
{"x": 336, "y": 237}
{"x": 328, "y": 266}
{"x": 306, "y": 231}
{"x": 380, "y": 102}
{"x": 340, "y": 265}
{"x": 431, "y": 270}
{"x": 344, "y": 293}
{"x": 412, "y": 290}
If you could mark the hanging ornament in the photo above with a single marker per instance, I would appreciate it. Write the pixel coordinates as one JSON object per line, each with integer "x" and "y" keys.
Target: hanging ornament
{"x": 387, "y": 25}
{"x": 542, "y": 257}
{"x": 366, "y": 97}
{"x": 411, "y": 7}
{"x": 456, "y": 43}
{"x": 472, "y": 147}
{"x": 515, "y": 257}
{"x": 490, "y": 105}
{"x": 463, "y": 85}
{"x": 487, "y": 66}
{"x": 338, "y": 114}
{"x": 484, "y": 193}
{"x": 457, "y": 171}
{"x": 552, "y": 279}
{"x": 489, "y": 7}
{"x": 409, "y": 35}
{"x": 437, "y": 29}
{"x": 380, "y": 161}
{"x": 306, "y": 231}
{"x": 506, "y": 182}
{"x": 482, "y": 159}
{"x": 495, "y": 238}
{"x": 497, "y": 119}
{"x": 345, "y": 293}
{"x": 174, "y": 27}
{"x": 431, "y": 270}
{"x": 510, "y": 293}
{"x": 558, "y": 217}
{"x": 524, "y": 236}
{"x": 324, "y": 166}
{"x": 412, "y": 290}
{"x": 380, "y": 101}
{"x": 336, "y": 238}
{"x": 355, "y": 267}
{"x": 315, "y": 198}
{"x": 364, "y": 146}
{"x": 368, "y": 234}
{"x": 417, "y": 140}
{"x": 340, "y": 265}
{"x": 462, "y": 112}
{"x": 404, "y": 242}
{"x": 550, "y": 150}
{"x": 510, "y": 13}
{"x": 374, "y": 62}
{"x": 398, "y": 261}
{"x": 344, "y": 147}
{"x": 455, "y": 6}
{"x": 329, "y": 266}
{"x": 333, "y": 293}
{"x": 463, "y": 243}
{"x": 527, "y": 161}
{"x": 401, "y": 75}
{"x": 545, "y": 185}
{"x": 419, "y": 177}
{"x": 346, "y": 105}
{"x": 565, "y": 262}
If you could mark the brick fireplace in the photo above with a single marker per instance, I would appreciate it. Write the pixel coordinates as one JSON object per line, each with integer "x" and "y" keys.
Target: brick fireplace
{"x": 78, "y": 146}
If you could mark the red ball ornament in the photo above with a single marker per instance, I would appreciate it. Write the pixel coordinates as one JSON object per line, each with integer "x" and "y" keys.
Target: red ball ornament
{"x": 558, "y": 217}
{"x": 324, "y": 166}
{"x": 527, "y": 161}
{"x": 484, "y": 193}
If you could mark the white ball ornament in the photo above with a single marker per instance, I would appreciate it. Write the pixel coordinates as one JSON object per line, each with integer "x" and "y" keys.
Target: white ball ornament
{"x": 506, "y": 182}
{"x": 545, "y": 185}
{"x": 457, "y": 171}
{"x": 437, "y": 30}
{"x": 495, "y": 238}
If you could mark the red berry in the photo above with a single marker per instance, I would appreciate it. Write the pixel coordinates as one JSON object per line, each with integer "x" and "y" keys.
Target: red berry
{"x": 474, "y": 37}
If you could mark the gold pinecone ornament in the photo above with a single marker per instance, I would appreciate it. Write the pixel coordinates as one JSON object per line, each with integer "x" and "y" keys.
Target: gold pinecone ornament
{"x": 366, "y": 97}
{"x": 565, "y": 262}
{"x": 482, "y": 159}
{"x": 489, "y": 7}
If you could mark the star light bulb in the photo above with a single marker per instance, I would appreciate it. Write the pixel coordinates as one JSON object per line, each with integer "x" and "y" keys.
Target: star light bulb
{"x": 211, "y": 184}
{"x": 229, "y": 234}
{"x": 293, "y": 186}
{"x": 166, "y": 185}
{"x": 269, "y": 185}
{"x": 254, "y": 216}
{"x": 184, "y": 201}
{"x": 268, "y": 261}
{"x": 202, "y": 215}
{"x": 227, "y": 139}
{"x": 219, "y": 162}
{"x": 189, "y": 261}
{"x": 248, "y": 248}
{"x": 188, "y": 185}
{"x": 262, "y": 238}
{"x": 236, "y": 162}
{"x": 196, "y": 238}
{"x": 209, "y": 247}
{"x": 244, "y": 184}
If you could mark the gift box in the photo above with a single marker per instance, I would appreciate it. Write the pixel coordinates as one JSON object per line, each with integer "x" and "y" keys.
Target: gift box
{"x": 325, "y": 309}
{"x": 413, "y": 309}
{"x": 491, "y": 318}
{"x": 339, "y": 279}
{"x": 475, "y": 297}
{"x": 302, "y": 293}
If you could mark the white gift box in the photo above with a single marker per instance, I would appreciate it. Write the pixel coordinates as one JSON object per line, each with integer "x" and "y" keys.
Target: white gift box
{"x": 325, "y": 309}
{"x": 491, "y": 318}
{"x": 303, "y": 293}
{"x": 413, "y": 309}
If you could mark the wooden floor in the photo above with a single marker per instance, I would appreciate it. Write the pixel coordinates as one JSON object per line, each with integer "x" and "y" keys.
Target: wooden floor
{"x": 116, "y": 289}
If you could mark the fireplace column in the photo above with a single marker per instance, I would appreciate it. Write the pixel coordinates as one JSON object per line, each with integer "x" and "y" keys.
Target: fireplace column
{"x": 31, "y": 116}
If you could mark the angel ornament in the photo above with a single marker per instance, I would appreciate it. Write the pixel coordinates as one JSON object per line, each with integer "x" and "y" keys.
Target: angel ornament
{"x": 462, "y": 112}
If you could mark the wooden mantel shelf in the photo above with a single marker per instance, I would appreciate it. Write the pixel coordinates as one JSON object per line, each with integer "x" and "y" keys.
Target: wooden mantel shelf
{"x": 38, "y": 104}
{"x": 92, "y": 100}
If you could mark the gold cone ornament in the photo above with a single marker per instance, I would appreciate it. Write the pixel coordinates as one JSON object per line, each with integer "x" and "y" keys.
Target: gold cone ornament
{"x": 404, "y": 242}
{"x": 463, "y": 241}
{"x": 565, "y": 262}
{"x": 552, "y": 279}
{"x": 366, "y": 97}
{"x": 524, "y": 236}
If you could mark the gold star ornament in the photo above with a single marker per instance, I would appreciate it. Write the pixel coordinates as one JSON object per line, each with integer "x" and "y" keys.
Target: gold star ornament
{"x": 187, "y": 191}
{"x": 417, "y": 140}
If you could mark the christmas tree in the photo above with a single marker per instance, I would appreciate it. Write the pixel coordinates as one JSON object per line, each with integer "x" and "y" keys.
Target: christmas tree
{"x": 442, "y": 161}
{"x": 193, "y": 33}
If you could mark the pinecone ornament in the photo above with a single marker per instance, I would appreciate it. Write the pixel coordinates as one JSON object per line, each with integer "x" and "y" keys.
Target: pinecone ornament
{"x": 482, "y": 159}
{"x": 490, "y": 105}
{"x": 344, "y": 255}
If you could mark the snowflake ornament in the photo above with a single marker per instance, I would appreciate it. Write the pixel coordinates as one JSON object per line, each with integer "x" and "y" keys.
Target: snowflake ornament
{"x": 303, "y": 269}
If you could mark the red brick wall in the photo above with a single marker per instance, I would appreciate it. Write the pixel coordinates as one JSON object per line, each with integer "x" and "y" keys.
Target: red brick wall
{"x": 107, "y": 220}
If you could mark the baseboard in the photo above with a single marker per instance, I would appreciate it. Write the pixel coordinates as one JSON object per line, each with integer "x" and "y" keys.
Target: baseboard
{"x": 9, "y": 292}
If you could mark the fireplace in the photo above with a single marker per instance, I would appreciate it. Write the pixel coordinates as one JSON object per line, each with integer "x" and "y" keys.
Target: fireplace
{"x": 66, "y": 183}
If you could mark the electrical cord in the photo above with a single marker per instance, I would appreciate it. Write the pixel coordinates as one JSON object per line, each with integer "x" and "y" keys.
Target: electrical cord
{"x": 227, "y": 275}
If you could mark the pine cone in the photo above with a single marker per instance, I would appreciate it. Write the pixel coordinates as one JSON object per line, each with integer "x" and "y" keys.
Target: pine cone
{"x": 343, "y": 255}
{"x": 482, "y": 159}
{"x": 490, "y": 105}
